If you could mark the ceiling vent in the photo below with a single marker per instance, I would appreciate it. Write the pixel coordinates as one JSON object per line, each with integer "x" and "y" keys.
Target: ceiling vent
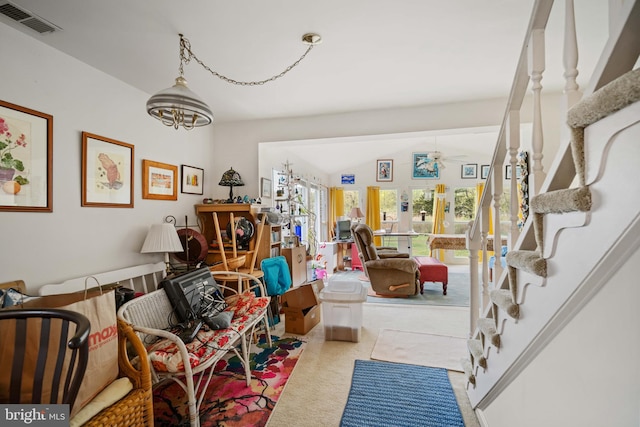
{"x": 26, "y": 18}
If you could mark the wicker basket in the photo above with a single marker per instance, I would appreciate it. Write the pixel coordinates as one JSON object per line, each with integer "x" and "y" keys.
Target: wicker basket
{"x": 136, "y": 408}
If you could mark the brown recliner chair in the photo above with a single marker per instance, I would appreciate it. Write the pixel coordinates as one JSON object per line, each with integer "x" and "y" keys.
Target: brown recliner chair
{"x": 390, "y": 272}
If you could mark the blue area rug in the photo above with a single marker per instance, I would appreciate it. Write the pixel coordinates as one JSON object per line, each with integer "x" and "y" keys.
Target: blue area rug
{"x": 393, "y": 394}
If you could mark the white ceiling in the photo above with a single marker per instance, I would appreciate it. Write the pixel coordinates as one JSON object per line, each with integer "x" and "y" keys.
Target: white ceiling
{"x": 375, "y": 54}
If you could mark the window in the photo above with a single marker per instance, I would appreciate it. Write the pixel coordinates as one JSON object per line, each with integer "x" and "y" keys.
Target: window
{"x": 389, "y": 210}
{"x": 422, "y": 216}
{"x": 351, "y": 200}
{"x": 465, "y": 203}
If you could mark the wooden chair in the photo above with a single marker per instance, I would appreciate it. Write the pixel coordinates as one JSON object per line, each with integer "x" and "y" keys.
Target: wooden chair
{"x": 228, "y": 264}
{"x": 18, "y": 285}
{"x": 253, "y": 269}
{"x": 59, "y": 362}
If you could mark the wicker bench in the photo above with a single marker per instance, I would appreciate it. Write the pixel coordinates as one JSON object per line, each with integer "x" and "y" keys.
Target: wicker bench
{"x": 432, "y": 270}
{"x": 150, "y": 316}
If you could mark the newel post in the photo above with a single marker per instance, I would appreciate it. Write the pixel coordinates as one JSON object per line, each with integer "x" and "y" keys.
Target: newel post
{"x": 473, "y": 245}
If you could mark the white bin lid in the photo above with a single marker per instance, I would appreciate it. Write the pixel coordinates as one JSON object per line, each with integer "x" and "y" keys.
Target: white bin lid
{"x": 344, "y": 291}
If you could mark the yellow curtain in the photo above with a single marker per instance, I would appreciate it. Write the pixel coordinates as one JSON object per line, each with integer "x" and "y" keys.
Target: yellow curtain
{"x": 438, "y": 214}
{"x": 336, "y": 208}
{"x": 372, "y": 214}
{"x": 479, "y": 191}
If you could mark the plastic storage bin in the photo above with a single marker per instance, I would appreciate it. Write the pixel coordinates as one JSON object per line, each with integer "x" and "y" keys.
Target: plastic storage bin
{"x": 342, "y": 310}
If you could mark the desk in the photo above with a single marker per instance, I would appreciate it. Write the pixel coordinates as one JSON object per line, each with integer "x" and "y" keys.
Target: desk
{"x": 408, "y": 234}
{"x": 344, "y": 250}
{"x": 455, "y": 242}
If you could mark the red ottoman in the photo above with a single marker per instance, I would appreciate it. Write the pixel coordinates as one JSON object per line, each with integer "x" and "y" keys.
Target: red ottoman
{"x": 432, "y": 270}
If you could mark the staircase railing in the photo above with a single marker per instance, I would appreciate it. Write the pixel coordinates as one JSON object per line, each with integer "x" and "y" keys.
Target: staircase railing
{"x": 619, "y": 56}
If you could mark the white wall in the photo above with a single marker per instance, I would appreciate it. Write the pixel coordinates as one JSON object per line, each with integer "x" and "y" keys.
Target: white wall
{"x": 236, "y": 143}
{"x": 73, "y": 240}
{"x": 587, "y": 376}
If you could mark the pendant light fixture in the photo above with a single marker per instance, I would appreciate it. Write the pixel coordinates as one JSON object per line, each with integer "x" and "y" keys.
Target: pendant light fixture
{"x": 178, "y": 106}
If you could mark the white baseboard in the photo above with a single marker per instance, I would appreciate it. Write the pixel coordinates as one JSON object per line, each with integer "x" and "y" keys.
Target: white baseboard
{"x": 481, "y": 419}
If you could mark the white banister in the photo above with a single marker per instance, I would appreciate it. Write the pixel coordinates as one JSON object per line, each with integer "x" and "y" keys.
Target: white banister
{"x": 570, "y": 57}
{"x": 484, "y": 233}
{"x": 474, "y": 298}
{"x": 513, "y": 144}
{"x": 496, "y": 185}
{"x": 536, "y": 68}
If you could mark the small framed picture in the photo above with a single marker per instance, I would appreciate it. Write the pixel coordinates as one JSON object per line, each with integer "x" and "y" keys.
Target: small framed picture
{"x": 107, "y": 172}
{"x": 159, "y": 181}
{"x": 265, "y": 187}
{"x": 384, "y": 170}
{"x": 348, "y": 178}
{"x": 507, "y": 172}
{"x": 469, "y": 171}
{"x": 192, "y": 181}
{"x": 484, "y": 171}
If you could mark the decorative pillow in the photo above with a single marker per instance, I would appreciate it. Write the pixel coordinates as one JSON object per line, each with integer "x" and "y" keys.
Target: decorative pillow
{"x": 107, "y": 397}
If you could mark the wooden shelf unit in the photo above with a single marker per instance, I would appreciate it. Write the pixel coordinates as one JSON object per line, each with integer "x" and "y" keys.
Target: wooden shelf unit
{"x": 204, "y": 214}
{"x": 271, "y": 243}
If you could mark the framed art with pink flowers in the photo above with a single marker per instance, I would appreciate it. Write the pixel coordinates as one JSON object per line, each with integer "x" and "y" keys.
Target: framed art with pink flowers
{"x": 26, "y": 159}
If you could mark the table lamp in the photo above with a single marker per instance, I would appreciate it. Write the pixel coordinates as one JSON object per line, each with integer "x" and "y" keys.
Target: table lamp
{"x": 162, "y": 238}
{"x": 356, "y": 214}
{"x": 231, "y": 179}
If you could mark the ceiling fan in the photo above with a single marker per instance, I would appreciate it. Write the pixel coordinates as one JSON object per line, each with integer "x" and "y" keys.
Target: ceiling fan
{"x": 437, "y": 160}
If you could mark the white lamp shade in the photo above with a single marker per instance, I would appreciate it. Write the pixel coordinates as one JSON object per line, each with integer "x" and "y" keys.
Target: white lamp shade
{"x": 162, "y": 238}
{"x": 356, "y": 213}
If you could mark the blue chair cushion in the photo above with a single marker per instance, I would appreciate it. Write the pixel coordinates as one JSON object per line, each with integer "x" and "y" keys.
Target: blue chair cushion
{"x": 276, "y": 275}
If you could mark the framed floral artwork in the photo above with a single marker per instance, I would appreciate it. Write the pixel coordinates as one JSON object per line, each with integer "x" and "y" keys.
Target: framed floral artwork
{"x": 384, "y": 170}
{"x": 107, "y": 172}
{"x": 26, "y": 162}
{"x": 159, "y": 181}
{"x": 192, "y": 180}
{"x": 424, "y": 167}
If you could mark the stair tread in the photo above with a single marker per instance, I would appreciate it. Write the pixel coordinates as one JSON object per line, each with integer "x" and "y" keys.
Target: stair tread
{"x": 529, "y": 261}
{"x": 562, "y": 201}
{"x": 503, "y": 299}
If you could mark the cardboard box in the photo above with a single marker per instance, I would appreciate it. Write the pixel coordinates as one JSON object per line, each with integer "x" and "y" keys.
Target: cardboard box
{"x": 301, "y": 307}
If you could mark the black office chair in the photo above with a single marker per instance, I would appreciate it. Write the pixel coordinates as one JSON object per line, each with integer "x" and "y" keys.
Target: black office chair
{"x": 42, "y": 364}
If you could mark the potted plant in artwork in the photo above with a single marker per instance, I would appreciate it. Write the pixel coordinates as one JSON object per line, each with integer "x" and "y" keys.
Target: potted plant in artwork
{"x": 9, "y": 164}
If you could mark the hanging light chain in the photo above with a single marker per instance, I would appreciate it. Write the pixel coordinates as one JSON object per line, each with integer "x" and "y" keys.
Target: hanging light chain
{"x": 184, "y": 59}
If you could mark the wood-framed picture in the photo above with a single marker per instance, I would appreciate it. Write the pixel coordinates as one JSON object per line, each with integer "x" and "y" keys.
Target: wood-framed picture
{"x": 107, "y": 172}
{"x": 469, "y": 171}
{"x": 159, "y": 180}
{"x": 384, "y": 170}
{"x": 265, "y": 187}
{"x": 192, "y": 180}
{"x": 26, "y": 159}
{"x": 424, "y": 167}
{"x": 484, "y": 171}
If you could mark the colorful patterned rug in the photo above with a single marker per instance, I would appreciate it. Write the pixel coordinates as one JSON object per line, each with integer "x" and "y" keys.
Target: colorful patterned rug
{"x": 228, "y": 401}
